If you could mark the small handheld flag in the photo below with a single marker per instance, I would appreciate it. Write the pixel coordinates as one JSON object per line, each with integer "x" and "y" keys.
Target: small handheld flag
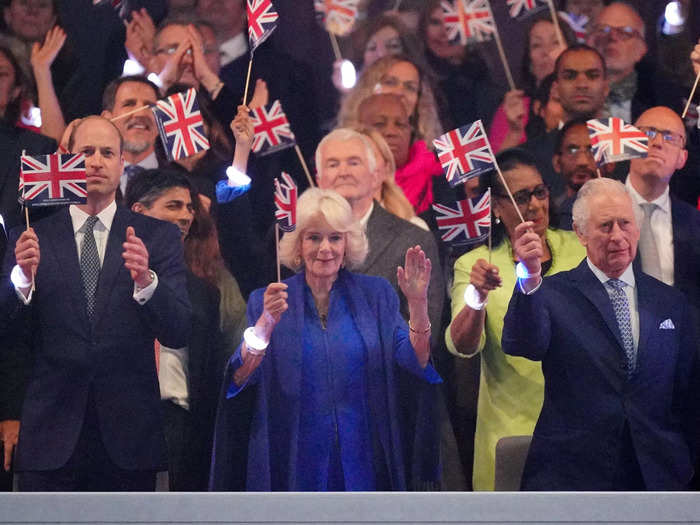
{"x": 521, "y": 9}
{"x": 180, "y": 125}
{"x": 262, "y": 21}
{"x": 464, "y": 153}
{"x": 468, "y": 223}
{"x": 337, "y": 16}
{"x": 52, "y": 180}
{"x": 467, "y": 20}
{"x": 612, "y": 140}
{"x": 272, "y": 130}
{"x": 286, "y": 202}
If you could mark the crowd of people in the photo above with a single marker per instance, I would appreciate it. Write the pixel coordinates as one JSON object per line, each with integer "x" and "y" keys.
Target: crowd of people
{"x": 162, "y": 326}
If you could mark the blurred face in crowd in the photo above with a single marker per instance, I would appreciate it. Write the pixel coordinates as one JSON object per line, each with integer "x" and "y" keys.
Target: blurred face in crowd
{"x": 345, "y": 169}
{"x": 574, "y": 162}
{"x": 387, "y": 114}
{"x": 322, "y": 249}
{"x": 227, "y": 16}
{"x": 611, "y": 234}
{"x": 8, "y": 90}
{"x": 173, "y": 205}
{"x": 543, "y": 42}
{"x": 581, "y": 84}
{"x": 617, "y": 35}
{"x": 589, "y": 8}
{"x": 166, "y": 43}
{"x": 531, "y": 196}
{"x": 211, "y": 48}
{"x": 403, "y": 78}
{"x": 552, "y": 113}
{"x": 667, "y": 152}
{"x": 384, "y": 42}
{"x": 436, "y": 38}
{"x": 30, "y": 19}
{"x": 98, "y": 139}
{"x": 139, "y": 129}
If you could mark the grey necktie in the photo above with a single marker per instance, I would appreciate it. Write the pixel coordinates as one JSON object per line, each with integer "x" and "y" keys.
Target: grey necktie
{"x": 621, "y": 307}
{"x": 90, "y": 264}
{"x": 647, "y": 243}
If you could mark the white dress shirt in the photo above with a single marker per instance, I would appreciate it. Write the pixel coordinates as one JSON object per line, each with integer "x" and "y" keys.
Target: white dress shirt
{"x": 661, "y": 226}
{"x": 627, "y": 277}
{"x": 233, "y": 48}
{"x": 173, "y": 377}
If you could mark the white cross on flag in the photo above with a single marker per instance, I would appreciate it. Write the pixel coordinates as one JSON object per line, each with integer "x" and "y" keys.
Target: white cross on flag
{"x": 612, "y": 140}
{"x": 521, "y": 9}
{"x": 52, "y": 180}
{"x": 262, "y": 21}
{"x": 271, "y": 129}
{"x": 469, "y": 223}
{"x": 467, "y": 20}
{"x": 464, "y": 153}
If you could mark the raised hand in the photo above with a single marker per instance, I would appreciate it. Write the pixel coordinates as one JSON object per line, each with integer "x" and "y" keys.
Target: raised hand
{"x": 27, "y": 254}
{"x": 414, "y": 277}
{"x": 43, "y": 55}
{"x": 527, "y": 247}
{"x": 9, "y": 433}
{"x": 170, "y": 71}
{"x": 261, "y": 96}
{"x": 243, "y": 128}
{"x": 202, "y": 71}
{"x": 274, "y": 304}
{"x": 135, "y": 257}
{"x": 514, "y": 109}
{"x": 485, "y": 278}
{"x": 695, "y": 58}
{"x": 140, "y": 36}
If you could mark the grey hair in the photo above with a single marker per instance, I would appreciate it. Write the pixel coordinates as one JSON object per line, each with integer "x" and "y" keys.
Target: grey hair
{"x": 601, "y": 186}
{"x": 346, "y": 134}
{"x": 316, "y": 204}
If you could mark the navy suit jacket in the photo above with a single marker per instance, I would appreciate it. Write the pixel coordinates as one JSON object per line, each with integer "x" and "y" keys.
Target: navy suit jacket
{"x": 686, "y": 251}
{"x": 112, "y": 358}
{"x": 569, "y": 324}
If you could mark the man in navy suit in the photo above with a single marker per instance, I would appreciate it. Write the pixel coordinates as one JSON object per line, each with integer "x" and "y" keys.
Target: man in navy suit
{"x": 619, "y": 357}
{"x": 108, "y": 282}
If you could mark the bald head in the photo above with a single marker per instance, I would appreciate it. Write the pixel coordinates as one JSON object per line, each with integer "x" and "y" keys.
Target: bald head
{"x": 95, "y": 121}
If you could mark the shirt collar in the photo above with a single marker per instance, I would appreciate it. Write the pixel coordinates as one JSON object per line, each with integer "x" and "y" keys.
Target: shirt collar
{"x": 627, "y": 276}
{"x": 105, "y": 217}
{"x": 233, "y": 48}
{"x": 663, "y": 201}
{"x": 365, "y": 218}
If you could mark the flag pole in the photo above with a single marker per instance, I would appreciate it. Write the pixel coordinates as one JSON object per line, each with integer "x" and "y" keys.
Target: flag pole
{"x": 335, "y": 46}
{"x": 303, "y": 165}
{"x": 277, "y": 249}
{"x": 128, "y": 113}
{"x": 501, "y": 52}
{"x": 555, "y": 20}
{"x": 503, "y": 181}
{"x": 692, "y": 94}
{"x": 490, "y": 225}
{"x": 247, "y": 81}
{"x": 597, "y": 172}
{"x": 26, "y": 217}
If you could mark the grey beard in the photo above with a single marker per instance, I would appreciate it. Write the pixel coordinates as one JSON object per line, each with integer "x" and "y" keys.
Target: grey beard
{"x": 136, "y": 148}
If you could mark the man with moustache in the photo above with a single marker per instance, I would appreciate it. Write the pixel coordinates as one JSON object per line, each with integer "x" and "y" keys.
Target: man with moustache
{"x": 97, "y": 285}
{"x": 619, "y": 356}
{"x": 573, "y": 162}
{"x": 138, "y": 130}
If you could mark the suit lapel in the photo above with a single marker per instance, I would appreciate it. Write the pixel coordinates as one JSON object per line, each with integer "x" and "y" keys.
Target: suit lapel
{"x": 645, "y": 305}
{"x": 113, "y": 262}
{"x": 681, "y": 249}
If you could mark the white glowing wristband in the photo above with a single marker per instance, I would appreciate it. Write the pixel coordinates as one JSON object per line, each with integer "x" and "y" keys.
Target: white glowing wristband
{"x": 18, "y": 279}
{"x": 255, "y": 344}
{"x": 522, "y": 273}
{"x": 236, "y": 178}
{"x": 471, "y": 298}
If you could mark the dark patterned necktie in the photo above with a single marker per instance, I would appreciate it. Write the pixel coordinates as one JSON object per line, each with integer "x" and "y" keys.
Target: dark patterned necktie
{"x": 621, "y": 308}
{"x": 90, "y": 264}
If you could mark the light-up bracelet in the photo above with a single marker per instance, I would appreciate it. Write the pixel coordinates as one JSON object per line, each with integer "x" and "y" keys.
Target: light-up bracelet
{"x": 472, "y": 298}
{"x": 521, "y": 272}
{"x": 18, "y": 279}
{"x": 255, "y": 344}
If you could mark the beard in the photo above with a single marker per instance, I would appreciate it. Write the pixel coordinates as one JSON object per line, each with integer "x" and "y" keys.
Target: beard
{"x": 136, "y": 147}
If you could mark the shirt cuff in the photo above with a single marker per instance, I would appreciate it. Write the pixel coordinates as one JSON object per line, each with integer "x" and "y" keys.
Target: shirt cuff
{"x": 142, "y": 295}
{"x": 528, "y": 288}
{"x": 17, "y": 276}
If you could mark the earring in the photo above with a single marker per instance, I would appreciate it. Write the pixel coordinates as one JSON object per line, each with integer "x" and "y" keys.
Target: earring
{"x": 497, "y": 220}
{"x": 297, "y": 261}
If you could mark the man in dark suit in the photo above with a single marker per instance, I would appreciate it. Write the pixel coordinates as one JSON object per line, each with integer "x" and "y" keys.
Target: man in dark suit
{"x": 346, "y": 164}
{"x": 669, "y": 246}
{"x": 108, "y": 283}
{"x": 190, "y": 377}
{"x": 619, "y": 356}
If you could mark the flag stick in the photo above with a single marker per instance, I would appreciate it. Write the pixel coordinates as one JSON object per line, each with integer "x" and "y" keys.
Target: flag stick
{"x": 501, "y": 53}
{"x": 128, "y": 113}
{"x": 26, "y": 217}
{"x": 503, "y": 180}
{"x": 597, "y": 172}
{"x": 490, "y": 225}
{"x": 692, "y": 94}
{"x": 335, "y": 46}
{"x": 247, "y": 81}
{"x": 555, "y": 19}
{"x": 303, "y": 165}
{"x": 277, "y": 249}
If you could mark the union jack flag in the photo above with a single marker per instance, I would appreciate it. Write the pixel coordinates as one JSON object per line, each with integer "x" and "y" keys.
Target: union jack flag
{"x": 612, "y": 140}
{"x": 464, "y": 153}
{"x": 467, "y": 20}
{"x": 180, "y": 125}
{"x": 469, "y": 223}
{"x": 577, "y": 23}
{"x": 338, "y": 16}
{"x": 272, "y": 129}
{"x": 524, "y": 8}
{"x": 120, "y": 6}
{"x": 286, "y": 202}
{"x": 52, "y": 180}
{"x": 262, "y": 21}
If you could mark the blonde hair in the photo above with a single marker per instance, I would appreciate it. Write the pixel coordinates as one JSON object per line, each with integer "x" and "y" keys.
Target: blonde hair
{"x": 393, "y": 198}
{"x": 313, "y": 206}
{"x": 425, "y": 120}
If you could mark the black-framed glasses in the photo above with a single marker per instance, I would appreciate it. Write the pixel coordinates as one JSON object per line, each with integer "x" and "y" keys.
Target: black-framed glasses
{"x": 522, "y": 197}
{"x": 667, "y": 135}
{"x": 573, "y": 150}
{"x": 622, "y": 33}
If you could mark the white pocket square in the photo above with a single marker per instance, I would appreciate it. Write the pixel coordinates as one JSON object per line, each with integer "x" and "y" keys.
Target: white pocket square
{"x": 667, "y": 325}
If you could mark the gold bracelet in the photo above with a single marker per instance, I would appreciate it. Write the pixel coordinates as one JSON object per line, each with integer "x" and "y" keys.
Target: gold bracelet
{"x": 427, "y": 330}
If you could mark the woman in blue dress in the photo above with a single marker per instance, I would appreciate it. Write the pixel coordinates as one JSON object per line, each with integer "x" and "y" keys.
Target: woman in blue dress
{"x": 331, "y": 389}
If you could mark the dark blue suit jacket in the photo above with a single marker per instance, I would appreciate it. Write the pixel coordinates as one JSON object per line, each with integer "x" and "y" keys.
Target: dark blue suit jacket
{"x": 570, "y": 326}
{"x": 113, "y": 357}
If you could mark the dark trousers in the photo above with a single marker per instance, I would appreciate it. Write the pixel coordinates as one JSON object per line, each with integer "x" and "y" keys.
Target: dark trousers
{"x": 183, "y": 473}
{"x": 629, "y": 474}
{"x": 89, "y": 469}
{"x": 5, "y": 477}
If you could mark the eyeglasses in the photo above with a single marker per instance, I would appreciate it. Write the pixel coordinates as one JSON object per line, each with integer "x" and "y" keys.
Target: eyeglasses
{"x": 573, "y": 150}
{"x": 668, "y": 136}
{"x": 522, "y": 197}
{"x": 623, "y": 33}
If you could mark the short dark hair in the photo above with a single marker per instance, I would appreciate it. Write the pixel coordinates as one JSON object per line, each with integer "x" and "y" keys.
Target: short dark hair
{"x": 149, "y": 185}
{"x": 564, "y": 130}
{"x": 580, "y": 47}
{"x": 110, "y": 94}
{"x": 71, "y": 139}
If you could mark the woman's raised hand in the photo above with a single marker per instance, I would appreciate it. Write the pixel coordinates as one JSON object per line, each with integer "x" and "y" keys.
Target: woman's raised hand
{"x": 414, "y": 277}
